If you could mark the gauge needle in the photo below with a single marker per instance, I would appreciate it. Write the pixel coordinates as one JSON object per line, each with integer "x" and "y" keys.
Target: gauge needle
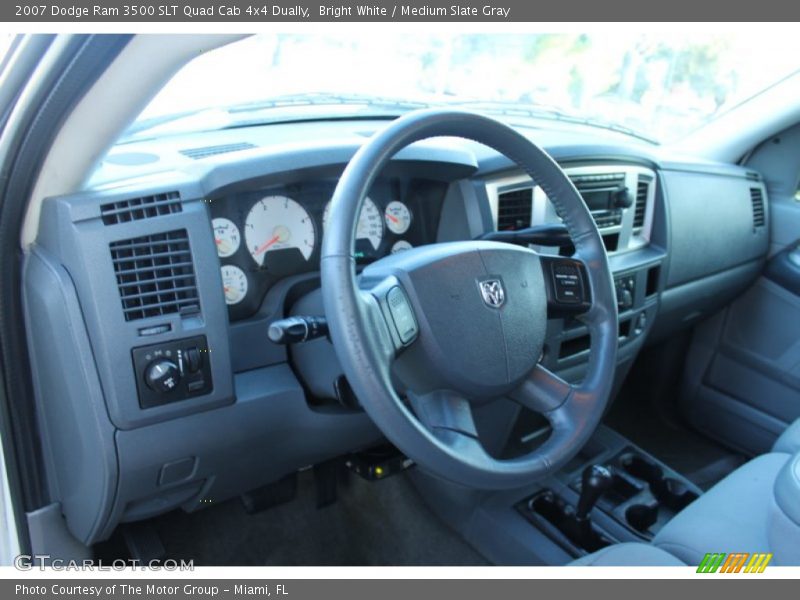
{"x": 393, "y": 218}
{"x": 263, "y": 247}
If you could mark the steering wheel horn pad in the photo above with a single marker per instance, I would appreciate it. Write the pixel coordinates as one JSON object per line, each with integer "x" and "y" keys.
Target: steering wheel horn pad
{"x": 482, "y": 314}
{"x": 474, "y": 316}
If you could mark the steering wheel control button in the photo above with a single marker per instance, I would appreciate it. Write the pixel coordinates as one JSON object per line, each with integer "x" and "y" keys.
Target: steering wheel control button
{"x": 567, "y": 291}
{"x": 567, "y": 280}
{"x": 403, "y": 316}
{"x": 172, "y": 371}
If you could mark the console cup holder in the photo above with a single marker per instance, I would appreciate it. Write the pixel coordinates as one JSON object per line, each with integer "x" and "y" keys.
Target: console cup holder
{"x": 674, "y": 494}
{"x": 669, "y": 493}
{"x": 642, "y": 516}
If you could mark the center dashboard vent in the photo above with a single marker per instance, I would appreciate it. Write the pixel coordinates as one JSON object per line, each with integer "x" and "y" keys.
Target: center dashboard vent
{"x": 155, "y": 275}
{"x": 133, "y": 209}
{"x": 206, "y": 151}
{"x": 514, "y": 209}
{"x": 642, "y": 191}
{"x": 757, "y": 200}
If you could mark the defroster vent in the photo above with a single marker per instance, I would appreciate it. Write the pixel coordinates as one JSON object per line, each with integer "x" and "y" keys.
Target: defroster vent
{"x": 155, "y": 275}
{"x": 206, "y": 151}
{"x": 133, "y": 209}
{"x": 514, "y": 209}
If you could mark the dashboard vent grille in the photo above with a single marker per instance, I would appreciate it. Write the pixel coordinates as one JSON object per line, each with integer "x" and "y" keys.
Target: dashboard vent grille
{"x": 514, "y": 209}
{"x": 155, "y": 275}
{"x": 602, "y": 181}
{"x": 757, "y": 199}
{"x": 206, "y": 151}
{"x": 145, "y": 207}
{"x": 642, "y": 189}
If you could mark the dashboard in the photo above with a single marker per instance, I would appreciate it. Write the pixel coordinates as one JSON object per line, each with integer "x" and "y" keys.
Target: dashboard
{"x": 151, "y": 291}
{"x": 264, "y": 235}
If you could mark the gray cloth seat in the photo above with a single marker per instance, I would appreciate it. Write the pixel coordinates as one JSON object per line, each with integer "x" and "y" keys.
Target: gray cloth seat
{"x": 754, "y": 509}
{"x": 629, "y": 555}
{"x": 789, "y": 440}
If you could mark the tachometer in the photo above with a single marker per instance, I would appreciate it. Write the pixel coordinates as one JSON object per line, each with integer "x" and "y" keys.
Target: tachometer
{"x": 278, "y": 223}
{"x": 398, "y": 217}
{"x": 370, "y": 223}
{"x": 234, "y": 283}
{"x": 226, "y": 236}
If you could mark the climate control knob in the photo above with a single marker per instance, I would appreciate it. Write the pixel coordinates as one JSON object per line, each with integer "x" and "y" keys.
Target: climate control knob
{"x": 162, "y": 375}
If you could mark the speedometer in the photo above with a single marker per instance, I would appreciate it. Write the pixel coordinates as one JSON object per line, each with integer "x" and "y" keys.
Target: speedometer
{"x": 370, "y": 223}
{"x": 278, "y": 223}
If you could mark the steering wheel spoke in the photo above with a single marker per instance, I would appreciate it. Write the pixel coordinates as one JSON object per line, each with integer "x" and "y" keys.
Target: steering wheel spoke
{"x": 567, "y": 284}
{"x": 543, "y": 391}
{"x": 448, "y": 415}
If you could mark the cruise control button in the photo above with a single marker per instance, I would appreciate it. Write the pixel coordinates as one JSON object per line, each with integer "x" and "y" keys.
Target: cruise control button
{"x": 402, "y": 315}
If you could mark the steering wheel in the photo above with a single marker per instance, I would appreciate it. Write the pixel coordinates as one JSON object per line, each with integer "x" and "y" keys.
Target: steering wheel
{"x": 425, "y": 335}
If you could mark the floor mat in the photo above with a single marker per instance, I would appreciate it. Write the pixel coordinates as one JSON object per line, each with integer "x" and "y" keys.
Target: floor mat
{"x": 698, "y": 458}
{"x": 373, "y": 523}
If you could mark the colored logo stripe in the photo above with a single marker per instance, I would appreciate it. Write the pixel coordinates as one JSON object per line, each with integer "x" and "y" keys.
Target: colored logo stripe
{"x": 758, "y": 563}
{"x": 735, "y": 562}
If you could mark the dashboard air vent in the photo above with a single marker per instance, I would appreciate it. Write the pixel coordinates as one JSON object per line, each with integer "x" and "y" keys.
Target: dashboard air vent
{"x": 206, "y": 151}
{"x": 642, "y": 189}
{"x": 155, "y": 275}
{"x": 145, "y": 207}
{"x": 514, "y": 209}
{"x": 757, "y": 199}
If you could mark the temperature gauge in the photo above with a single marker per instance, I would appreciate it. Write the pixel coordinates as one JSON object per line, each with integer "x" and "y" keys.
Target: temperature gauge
{"x": 398, "y": 217}
{"x": 226, "y": 236}
{"x": 234, "y": 282}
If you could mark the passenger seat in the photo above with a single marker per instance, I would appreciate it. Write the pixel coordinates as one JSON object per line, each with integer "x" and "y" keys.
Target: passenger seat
{"x": 789, "y": 440}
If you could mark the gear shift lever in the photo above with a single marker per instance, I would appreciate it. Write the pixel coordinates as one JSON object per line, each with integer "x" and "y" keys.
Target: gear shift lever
{"x": 596, "y": 479}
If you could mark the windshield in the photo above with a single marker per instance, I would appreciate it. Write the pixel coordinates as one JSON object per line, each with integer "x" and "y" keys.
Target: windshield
{"x": 658, "y": 86}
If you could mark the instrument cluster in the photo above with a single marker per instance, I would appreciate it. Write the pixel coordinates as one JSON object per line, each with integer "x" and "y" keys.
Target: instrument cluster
{"x": 263, "y": 236}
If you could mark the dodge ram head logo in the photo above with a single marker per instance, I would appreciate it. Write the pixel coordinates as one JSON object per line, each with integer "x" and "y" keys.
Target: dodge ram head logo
{"x": 493, "y": 293}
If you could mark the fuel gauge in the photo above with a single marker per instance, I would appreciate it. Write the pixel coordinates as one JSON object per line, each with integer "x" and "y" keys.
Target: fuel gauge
{"x": 226, "y": 236}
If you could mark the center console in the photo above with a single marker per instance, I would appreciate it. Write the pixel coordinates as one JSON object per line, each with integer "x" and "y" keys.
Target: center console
{"x": 631, "y": 488}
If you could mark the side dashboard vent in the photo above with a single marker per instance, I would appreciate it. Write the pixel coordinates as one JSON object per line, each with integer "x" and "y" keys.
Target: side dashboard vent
{"x": 155, "y": 275}
{"x": 757, "y": 200}
{"x": 206, "y": 151}
{"x": 145, "y": 207}
{"x": 642, "y": 190}
{"x": 514, "y": 209}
